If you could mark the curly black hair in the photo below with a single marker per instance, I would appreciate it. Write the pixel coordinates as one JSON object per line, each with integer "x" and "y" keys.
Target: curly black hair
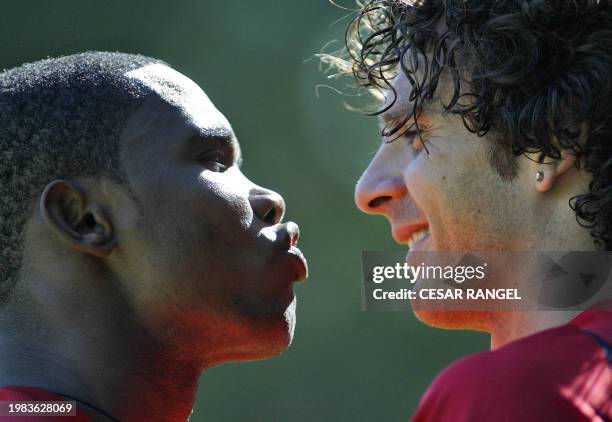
{"x": 534, "y": 74}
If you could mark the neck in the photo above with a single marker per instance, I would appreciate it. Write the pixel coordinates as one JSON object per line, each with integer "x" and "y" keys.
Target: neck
{"x": 507, "y": 326}
{"x": 510, "y": 326}
{"x": 97, "y": 355}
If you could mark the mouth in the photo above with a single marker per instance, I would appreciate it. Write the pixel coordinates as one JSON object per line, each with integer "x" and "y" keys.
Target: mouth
{"x": 416, "y": 236}
{"x": 298, "y": 260}
{"x": 412, "y": 234}
{"x": 288, "y": 237}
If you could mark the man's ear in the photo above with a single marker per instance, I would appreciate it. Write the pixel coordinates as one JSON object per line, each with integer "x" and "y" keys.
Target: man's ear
{"x": 549, "y": 170}
{"x": 80, "y": 225}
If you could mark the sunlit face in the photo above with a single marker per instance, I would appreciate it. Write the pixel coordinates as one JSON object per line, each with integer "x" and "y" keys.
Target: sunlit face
{"x": 450, "y": 199}
{"x": 203, "y": 256}
{"x": 452, "y": 192}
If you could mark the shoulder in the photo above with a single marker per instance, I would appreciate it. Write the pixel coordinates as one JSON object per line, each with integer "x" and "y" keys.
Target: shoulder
{"x": 524, "y": 380}
{"x": 543, "y": 359}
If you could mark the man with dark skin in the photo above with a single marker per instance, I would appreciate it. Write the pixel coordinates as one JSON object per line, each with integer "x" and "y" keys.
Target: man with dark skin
{"x": 147, "y": 257}
{"x": 496, "y": 126}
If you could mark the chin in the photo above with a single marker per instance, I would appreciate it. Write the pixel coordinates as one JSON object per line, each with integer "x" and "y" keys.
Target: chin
{"x": 267, "y": 337}
{"x": 280, "y": 334}
{"x": 453, "y": 320}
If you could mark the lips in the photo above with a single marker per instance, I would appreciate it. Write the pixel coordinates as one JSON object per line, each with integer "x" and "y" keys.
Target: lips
{"x": 289, "y": 235}
{"x": 299, "y": 263}
{"x": 416, "y": 236}
{"x": 409, "y": 232}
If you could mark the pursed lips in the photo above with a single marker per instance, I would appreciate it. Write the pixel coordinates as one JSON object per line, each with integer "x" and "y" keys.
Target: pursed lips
{"x": 299, "y": 262}
{"x": 289, "y": 236}
{"x": 286, "y": 236}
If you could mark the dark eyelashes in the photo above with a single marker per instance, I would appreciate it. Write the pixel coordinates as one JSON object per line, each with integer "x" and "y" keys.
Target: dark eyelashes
{"x": 409, "y": 135}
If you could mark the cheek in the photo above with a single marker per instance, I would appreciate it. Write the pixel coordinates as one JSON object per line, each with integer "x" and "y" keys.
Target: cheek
{"x": 193, "y": 226}
{"x": 428, "y": 179}
{"x": 468, "y": 205}
{"x": 211, "y": 210}
{"x": 224, "y": 198}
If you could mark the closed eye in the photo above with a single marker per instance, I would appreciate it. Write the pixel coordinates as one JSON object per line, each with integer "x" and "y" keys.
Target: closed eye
{"x": 396, "y": 126}
{"x": 411, "y": 136}
{"x": 408, "y": 135}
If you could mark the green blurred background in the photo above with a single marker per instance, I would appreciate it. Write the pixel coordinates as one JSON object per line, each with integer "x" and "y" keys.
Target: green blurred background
{"x": 255, "y": 61}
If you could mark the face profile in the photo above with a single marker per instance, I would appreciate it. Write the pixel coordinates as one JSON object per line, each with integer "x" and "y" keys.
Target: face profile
{"x": 207, "y": 240}
{"x": 140, "y": 251}
{"x": 440, "y": 191}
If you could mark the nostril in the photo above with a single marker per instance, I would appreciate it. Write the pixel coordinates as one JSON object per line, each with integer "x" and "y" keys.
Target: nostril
{"x": 378, "y": 201}
{"x": 270, "y": 216}
{"x": 268, "y": 207}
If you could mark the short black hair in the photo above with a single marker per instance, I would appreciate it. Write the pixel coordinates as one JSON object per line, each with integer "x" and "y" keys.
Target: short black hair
{"x": 536, "y": 75}
{"x": 60, "y": 118}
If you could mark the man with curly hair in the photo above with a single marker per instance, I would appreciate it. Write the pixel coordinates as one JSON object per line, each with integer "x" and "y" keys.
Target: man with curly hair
{"x": 134, "y": 253}
{"x": 497, "y": 136}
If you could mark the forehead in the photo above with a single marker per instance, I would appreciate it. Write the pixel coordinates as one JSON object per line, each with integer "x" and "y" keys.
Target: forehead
{"x": 182, "y": 93}
{"x": 396, "y": 100}
{"x": 174, "y": 119}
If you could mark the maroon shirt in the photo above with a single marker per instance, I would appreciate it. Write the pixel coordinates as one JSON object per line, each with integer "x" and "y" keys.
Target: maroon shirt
{"x": 561, "y": 374}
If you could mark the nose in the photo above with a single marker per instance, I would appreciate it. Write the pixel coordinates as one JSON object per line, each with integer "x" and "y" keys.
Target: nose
{"x": 267, "y": 205}
{"x": 378, "y": 187}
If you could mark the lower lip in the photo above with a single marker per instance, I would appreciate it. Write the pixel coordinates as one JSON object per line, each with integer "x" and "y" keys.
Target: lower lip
{"x": 299, "y": 263}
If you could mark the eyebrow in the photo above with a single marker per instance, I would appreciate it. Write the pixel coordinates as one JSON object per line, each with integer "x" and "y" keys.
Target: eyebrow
{"x": 219, "y": 136}
{"x": 213, "y": 134}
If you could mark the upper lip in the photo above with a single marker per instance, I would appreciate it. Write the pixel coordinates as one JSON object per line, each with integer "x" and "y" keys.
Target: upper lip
{"x": 402, "y": 233}
{"x": 406, "y": 217}
{"x": 289, "y": 234}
